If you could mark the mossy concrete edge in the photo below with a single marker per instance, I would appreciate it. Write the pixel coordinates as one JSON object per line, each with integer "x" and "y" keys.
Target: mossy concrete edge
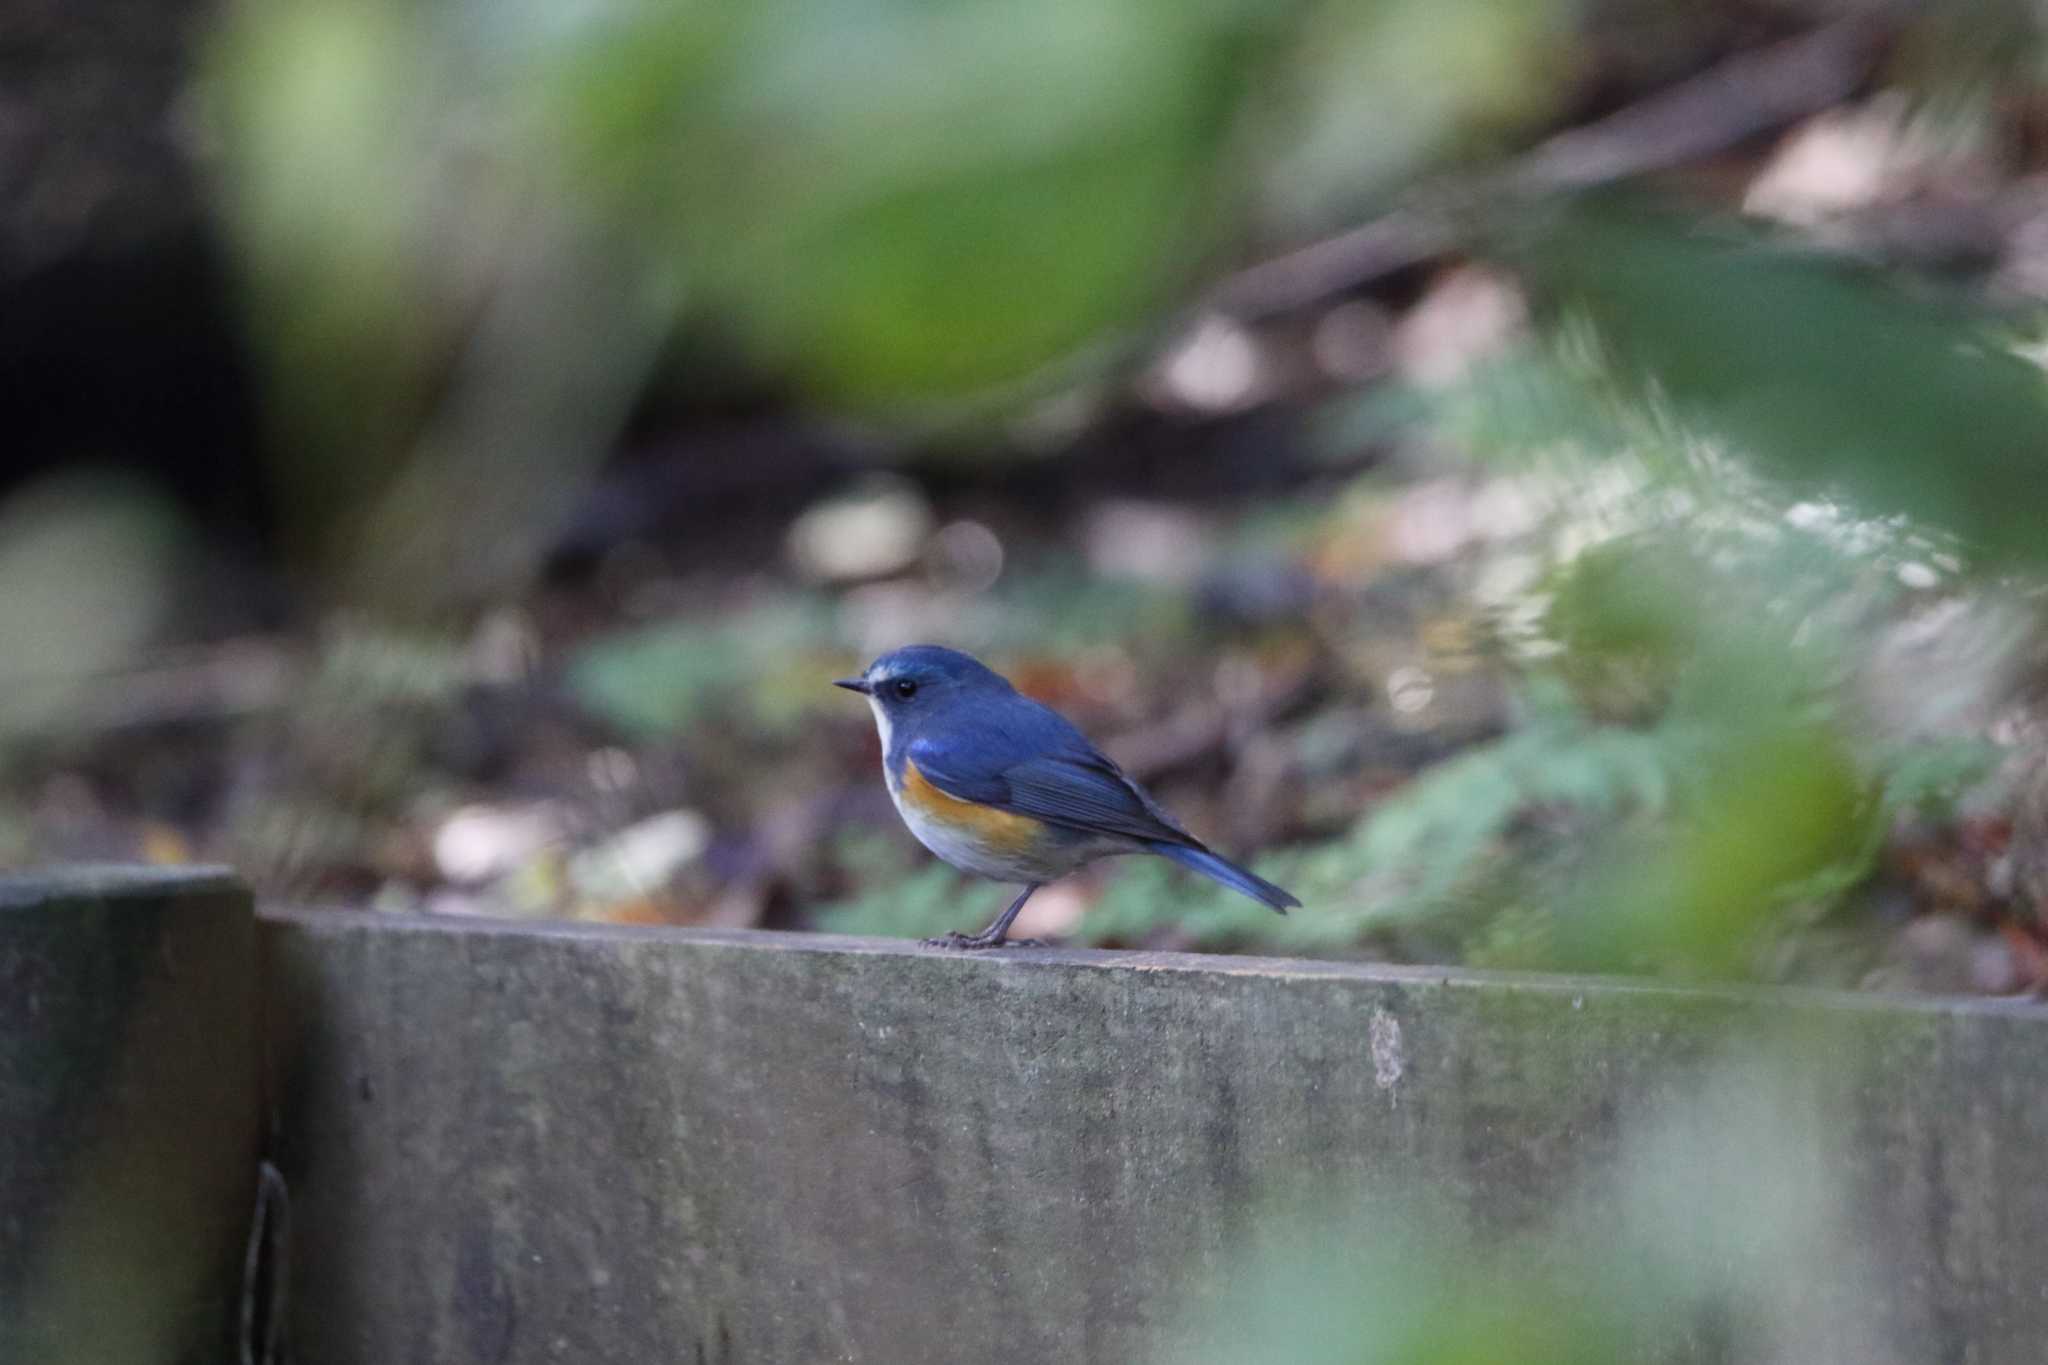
{"x": 527, "y": 1143}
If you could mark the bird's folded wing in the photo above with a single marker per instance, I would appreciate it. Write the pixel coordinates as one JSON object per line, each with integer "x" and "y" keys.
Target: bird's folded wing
{"x": 1080, "y": 790}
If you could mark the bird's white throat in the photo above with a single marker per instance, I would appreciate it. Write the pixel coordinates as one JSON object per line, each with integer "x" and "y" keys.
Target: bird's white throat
{"x": 882, "y": 728}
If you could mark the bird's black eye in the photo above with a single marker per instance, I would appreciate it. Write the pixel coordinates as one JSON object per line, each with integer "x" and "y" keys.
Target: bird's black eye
{"x": 906, "y": 688}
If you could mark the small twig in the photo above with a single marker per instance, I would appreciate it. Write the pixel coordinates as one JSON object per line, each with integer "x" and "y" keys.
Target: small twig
{"x": 1721, "y": 107}
{"x": 1207, "y": 728}
{"x": 223, "y": 682}
{"x": 1184, "y": 738}
{"x": 1405, "y": 237}
{"x": 1748, "y": 94}
{"x": 212, "y": 684}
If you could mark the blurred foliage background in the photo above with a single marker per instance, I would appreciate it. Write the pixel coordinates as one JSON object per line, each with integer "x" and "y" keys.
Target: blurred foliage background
{"x": 1558, "y": 484}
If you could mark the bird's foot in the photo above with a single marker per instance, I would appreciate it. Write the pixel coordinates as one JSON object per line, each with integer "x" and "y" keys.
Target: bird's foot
{"x": 967, "y": 943}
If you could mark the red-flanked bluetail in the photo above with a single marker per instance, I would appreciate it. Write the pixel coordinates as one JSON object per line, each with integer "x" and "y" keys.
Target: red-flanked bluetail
{"x": 1003, "y": 787}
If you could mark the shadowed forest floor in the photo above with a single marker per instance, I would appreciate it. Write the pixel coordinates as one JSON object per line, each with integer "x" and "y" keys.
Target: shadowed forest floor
{"x": 1362, "y": 563}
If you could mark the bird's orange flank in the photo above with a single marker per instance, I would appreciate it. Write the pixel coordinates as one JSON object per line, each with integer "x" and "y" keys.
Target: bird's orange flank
{"x": 997, "y": 828}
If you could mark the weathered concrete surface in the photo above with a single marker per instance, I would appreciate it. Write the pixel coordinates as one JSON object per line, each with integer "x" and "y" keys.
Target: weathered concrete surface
{"x": 129, "y": 1114}
{"x": 521, "y": 1144}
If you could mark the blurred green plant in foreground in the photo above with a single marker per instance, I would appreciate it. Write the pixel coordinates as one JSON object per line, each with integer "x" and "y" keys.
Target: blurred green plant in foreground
{"x": 467, "y": 241}
{"x": 1705, "y": 655}
{"x": 1720, "y": 1229}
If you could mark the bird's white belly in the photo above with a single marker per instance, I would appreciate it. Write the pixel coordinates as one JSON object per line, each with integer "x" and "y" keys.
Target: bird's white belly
{"x": 966, "y": 849}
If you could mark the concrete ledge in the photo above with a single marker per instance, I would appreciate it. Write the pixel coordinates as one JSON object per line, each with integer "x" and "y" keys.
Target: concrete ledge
{"x": 129, "y": 1114}
{"x": 511, "y": 1143}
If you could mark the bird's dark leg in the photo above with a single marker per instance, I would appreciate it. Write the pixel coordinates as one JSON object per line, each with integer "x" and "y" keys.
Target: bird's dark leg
{"x": 993, "y": 936}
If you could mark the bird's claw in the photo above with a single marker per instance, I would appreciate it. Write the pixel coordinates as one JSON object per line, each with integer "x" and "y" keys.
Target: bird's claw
{"x": 967, "y": 943}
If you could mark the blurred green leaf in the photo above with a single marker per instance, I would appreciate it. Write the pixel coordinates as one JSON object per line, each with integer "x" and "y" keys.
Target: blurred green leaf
{"x": 85, "y": 582}
{"x": 765, "y": 665}
{"x": 1695, "y": 1235}
{"x": 1435, "y": 830}
{"x": 1775, "y": 805}
{"x": 930, "y": 901}
{"x": 1059, "y": 610}
{"x": 1150, "y": 895}
{"x": 1392, "y": 1289}
{"x": 905, "y": 201}
{"x": 1382, "y": 89}
{"x": 329, "y": 121}
{"x": 1925, "y": 774}
{"x": 1834, "y": 380}
{"x": 1918, "y": 775}
{"x": 1537, "y": 399}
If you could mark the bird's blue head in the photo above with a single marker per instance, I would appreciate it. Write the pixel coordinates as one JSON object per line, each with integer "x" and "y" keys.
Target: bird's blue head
{"x": 908, "y": 686}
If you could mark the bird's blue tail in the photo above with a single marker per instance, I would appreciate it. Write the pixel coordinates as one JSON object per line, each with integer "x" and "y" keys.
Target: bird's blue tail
{"x": 1230, "y": 874}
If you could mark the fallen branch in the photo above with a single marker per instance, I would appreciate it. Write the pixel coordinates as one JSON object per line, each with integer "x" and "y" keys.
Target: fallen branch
{"x": 1749, "y": 94}
{"x": 211, "y": 685}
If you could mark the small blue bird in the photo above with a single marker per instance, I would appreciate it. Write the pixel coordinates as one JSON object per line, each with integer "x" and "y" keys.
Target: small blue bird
{"x": 1003, "y": 787}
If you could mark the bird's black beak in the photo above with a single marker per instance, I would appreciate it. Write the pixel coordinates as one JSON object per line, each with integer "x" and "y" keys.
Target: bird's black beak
{"x": 859, "y": 685}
